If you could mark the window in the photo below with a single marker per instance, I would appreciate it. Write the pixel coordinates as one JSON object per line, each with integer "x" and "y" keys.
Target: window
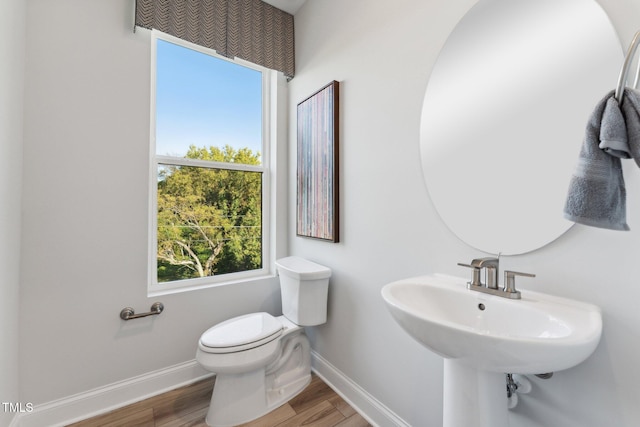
{"x": 210, "y": 167}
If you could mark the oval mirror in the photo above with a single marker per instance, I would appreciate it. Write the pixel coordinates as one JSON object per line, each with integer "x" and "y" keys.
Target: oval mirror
{"x": 504, "y": 115}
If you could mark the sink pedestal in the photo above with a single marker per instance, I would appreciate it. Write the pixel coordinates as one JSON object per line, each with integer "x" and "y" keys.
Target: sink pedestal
{"x": 473, "y": 397}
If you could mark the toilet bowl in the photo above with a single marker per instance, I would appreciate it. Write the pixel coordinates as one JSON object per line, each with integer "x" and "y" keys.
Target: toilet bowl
{"x": 261, "y": 361}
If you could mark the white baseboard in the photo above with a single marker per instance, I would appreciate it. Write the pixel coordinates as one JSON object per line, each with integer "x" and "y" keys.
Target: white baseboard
{"x": 98, "y": 401}
{"x": 368, "y": 406}
{"x": 104, "y": 399}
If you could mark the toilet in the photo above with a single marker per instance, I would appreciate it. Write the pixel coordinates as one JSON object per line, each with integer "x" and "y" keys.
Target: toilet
{"x": 261, "y": 361}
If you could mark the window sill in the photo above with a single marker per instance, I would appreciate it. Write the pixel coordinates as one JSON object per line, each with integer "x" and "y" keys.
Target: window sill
{"x": 188, "y": 285}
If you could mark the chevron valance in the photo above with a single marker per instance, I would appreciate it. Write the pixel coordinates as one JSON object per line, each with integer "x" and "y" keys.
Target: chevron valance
{"x": 249, "y": 29}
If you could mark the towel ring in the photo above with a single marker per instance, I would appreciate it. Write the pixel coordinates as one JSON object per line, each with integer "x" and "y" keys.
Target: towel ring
{"x": 624, "y": 72}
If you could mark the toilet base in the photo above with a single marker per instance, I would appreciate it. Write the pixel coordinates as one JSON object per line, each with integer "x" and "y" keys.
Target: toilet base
{"x": 240, "y": 398}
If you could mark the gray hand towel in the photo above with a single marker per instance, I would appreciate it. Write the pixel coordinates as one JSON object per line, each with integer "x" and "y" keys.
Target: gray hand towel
{"x": 597, "y": 194}
{"x": 613, "y": 134}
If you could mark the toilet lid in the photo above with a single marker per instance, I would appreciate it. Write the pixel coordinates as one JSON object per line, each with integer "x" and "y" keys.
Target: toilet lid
{"x": 242, "y": 330}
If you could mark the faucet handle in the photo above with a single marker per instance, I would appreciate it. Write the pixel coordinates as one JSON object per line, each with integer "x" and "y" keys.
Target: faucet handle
{"x": 510, "y": 281}
{"x": 475, "y": 280}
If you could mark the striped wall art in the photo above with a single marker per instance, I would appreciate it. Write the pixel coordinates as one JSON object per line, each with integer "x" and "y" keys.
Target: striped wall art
{"x": 317, "y": 194}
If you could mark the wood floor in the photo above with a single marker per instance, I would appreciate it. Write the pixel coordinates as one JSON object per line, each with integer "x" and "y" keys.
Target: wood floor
{"x": 317, "y": 405}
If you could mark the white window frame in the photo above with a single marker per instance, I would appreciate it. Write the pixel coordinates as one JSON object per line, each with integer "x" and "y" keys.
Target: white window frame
{"x": 270, "y": 90}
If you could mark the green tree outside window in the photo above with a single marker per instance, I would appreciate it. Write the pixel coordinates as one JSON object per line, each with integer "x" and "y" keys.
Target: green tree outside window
{"x": 209, "y": 220}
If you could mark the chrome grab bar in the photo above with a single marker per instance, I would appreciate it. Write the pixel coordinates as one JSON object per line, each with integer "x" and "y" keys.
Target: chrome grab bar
{"x": 127, "y": 313}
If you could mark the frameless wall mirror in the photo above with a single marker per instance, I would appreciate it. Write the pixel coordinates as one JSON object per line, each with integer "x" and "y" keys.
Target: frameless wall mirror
{"x": 504, "y": 116}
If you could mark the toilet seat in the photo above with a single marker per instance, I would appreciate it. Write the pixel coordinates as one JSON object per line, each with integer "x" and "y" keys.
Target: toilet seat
{"x": 241, "y": 333}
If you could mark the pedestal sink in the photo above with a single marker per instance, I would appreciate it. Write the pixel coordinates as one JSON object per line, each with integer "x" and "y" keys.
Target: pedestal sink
{"x": 482, "y": 337}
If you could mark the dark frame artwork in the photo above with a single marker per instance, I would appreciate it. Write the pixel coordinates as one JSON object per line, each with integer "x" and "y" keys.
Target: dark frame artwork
{"x": 317, "y": 180}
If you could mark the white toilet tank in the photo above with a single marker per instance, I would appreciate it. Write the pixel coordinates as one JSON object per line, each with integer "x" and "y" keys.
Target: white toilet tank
{"x": 304, "y": 286}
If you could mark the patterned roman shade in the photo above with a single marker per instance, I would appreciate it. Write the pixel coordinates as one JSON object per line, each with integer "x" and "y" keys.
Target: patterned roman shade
{"x": 249, "y": 29}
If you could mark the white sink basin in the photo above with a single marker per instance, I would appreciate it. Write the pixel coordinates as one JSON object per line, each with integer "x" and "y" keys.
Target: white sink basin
{"x": 537, "y": 334}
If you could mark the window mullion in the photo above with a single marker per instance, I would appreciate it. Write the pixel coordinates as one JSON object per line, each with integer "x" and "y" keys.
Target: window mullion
{"x": 182, "y": 161}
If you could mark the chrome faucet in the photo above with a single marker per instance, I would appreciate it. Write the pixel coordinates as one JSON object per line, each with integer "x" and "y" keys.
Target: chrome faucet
{"x": 491, "y": 267}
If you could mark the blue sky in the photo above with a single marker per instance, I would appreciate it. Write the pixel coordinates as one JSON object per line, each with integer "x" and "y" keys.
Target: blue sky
{"x": 202, "y": 100}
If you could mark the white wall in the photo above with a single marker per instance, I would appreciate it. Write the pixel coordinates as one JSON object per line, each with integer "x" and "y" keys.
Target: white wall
{"x": 382, "y": 53}
{"x": 85, "y": 211}
{"x": 12, "y": 40}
